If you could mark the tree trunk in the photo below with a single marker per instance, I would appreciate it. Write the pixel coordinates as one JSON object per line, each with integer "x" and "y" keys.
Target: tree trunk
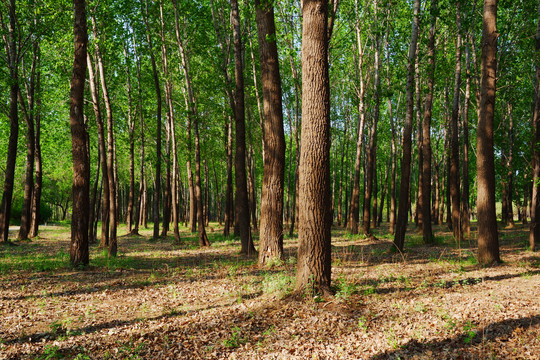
{"x": 271, "y": 231}
{"x": 131, "y": 132}
{"x": 465, "y": 195}
{"x": 113, "y": 214}
{"x": 488, "y": 241}
{"x": 13, "y": 65}
{"x": 315, "y": 218}
{"x": 79, "y": 254}
{"x": 36, "y": 196}
{"x": 534, "y": 233}
{"x": 103, "y": 155}
{"x": 354, "y": 216}
{"x": 401, "y": 228}
{"x": 140, "y": 200}
{"x": 29, "y": 115}
{"x": 157, "y": 188}
{"x": 229, "y": 186}
{"x": 454, "y": 136}
{"x": 427, "y": 232}
{"x": 241, "y": 197}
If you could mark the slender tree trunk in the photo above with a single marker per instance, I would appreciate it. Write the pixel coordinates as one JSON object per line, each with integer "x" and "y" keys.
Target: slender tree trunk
{"x": 510, "y": 170}
{"x": 401, "y": 228}
{"x": 140, "y": 210}
{"x": 315, "y": 218}
{"x": 465, "y": 195}
{"x": 157, "y": 188}
{"x": 454, "y": 136}
{"x": 229, "y": 186}
{"x": 103, "y": 155}
{"x": 427, "y": 232}
{"x": 354, "y": 216}
{"x": 29, "y": 114}
{"x": 79, "y": 254}
{"x": 418, "y": 220}
{"x": 271, "y": 233}
{"x": 488, "y": 241}
{"x": 36, "y": 196}
{"x": 534, "y": 233}
{"x": 241, "y": 197}
{"x": 13, "y": 65}
{"x": 113, "y": 213}
{"x": 131, "y": 132}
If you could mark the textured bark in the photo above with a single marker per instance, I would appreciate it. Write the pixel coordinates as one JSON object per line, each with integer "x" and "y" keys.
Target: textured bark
{"x": 488, "y": 240}
{"x": 401, "y": 226}
{"x": 241, "y": 196}
{"x": 13, "y": 65}
{"x": 271, "y": 230}
{"x": 454, "y": 137}
{"x": 79, "y": 254}
{"x": 229, "y": 186}
{"x": 315, "y": 218}
{"x": 534, "y": 233}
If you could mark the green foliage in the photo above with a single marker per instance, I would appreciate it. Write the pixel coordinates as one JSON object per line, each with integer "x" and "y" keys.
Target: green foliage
{"x": 277, "y": 284}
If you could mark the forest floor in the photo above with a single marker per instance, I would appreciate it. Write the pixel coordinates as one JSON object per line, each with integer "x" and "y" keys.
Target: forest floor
{"x": 158, "y": 300}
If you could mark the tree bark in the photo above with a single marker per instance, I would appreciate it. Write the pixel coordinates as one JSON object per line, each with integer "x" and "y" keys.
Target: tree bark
{"x": 241, "y": 197}
{"x": 401, "y": 228}
{"x": 13, "y": 65}
{"x": 271, "y": 230}
{"x": 36, "y": 196}
{"x": 157, "y": 188}
{"x": 315, "y": 218}
{"x": 465, "y": 195}
{"x": 488, "y": 241}
{"x": 113, "y": 213}
{"x": 454, "y": 136}
{"x": 354, "y": 216}
{"x": 534, "y": 233}
{"x": 79, "y": 254}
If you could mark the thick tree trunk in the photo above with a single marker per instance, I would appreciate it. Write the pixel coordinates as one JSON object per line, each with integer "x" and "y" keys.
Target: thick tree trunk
{"x": 488, "y": 241}
{"x": 271, "y": 231}
{"x": 315, "y": 218}
{"x": 401, "y": 228}
{"x": 241, "y": 197}
{"x": 79, "y": 254}
{"x": 454, "y": 137}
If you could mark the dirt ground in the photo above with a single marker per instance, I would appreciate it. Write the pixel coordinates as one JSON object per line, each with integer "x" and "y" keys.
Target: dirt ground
{"x": 158, "y": 300}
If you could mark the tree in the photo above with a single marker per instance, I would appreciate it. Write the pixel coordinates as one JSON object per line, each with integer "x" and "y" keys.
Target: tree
{"x": 81, "y": 162}
{"x": 427, "y": 232}
{"x": 12, "y": 52}
{"x": 241, "y": 199}
{"x": 403, "y": 206}
{"x": 488, "y": 240}
{"x": 534, "y": 233}
{"x": 271, "y": 234}
{"x": 313, "y": 270}
{"x": 157, "y": 187}
{"x": 454, "y": 137}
